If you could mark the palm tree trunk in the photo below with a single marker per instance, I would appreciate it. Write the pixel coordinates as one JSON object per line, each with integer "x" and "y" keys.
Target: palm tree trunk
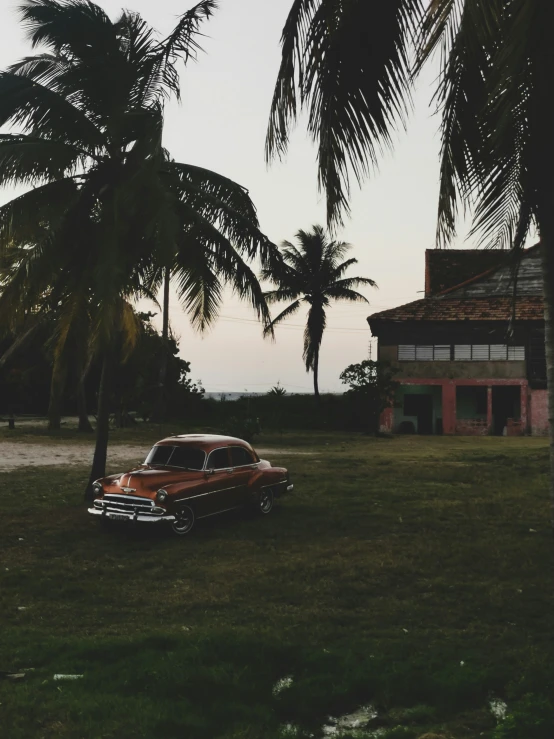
{"x": 103, "y": 423}
{"x": 547, "y": 252}
{"x": 316, "y": 375}
{"x": 160, "y": 407}
{"x": 84, "y": 423}
{"x": 57, "y": 388}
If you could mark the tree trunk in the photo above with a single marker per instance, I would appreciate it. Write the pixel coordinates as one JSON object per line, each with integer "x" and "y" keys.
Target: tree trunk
{"x": 316, "y": 375}
{"x": 160, "y": 407}
{"x": 103, "y": 424}
{"x": 57, "y": 388}
{"x": 84, "y": 423}
{"x": 547, "y": 253}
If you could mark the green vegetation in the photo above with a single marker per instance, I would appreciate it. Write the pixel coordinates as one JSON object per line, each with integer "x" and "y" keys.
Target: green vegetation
{"x": 415, "y": 574}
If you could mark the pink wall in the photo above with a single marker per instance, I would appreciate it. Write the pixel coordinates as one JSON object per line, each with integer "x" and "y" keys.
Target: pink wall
{"x": 538, "y": 407}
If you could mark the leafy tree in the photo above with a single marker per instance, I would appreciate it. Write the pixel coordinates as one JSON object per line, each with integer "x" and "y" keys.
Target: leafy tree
{"x": 349, "y": 64}
{"x": 107, "y": 210}
{"x": 313, "y": 273}
{"x": 372, "y": 386}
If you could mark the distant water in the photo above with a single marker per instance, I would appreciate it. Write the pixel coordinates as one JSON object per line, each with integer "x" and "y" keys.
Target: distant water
{"x": 231, "y": 396}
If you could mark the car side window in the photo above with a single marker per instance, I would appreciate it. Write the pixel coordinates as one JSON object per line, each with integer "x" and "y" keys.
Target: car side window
{"x": 218, "y": 459}
{"x": 240, "y": 457}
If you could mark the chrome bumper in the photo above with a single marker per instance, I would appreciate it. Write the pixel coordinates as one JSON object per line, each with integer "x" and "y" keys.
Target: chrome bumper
{"x": 289, "y": 488}
{"x": 121, "y": 516}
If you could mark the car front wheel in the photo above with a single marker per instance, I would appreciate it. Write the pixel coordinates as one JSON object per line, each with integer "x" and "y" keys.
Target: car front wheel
{"x": 265, "y": 501}
{"x": 184, "y": 521}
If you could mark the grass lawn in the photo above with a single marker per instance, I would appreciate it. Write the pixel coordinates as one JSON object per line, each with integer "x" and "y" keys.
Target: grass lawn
{"x": 415, "y": 574}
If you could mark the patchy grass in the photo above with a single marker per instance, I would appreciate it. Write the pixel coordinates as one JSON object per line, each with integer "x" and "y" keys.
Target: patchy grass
{"x": 402, "y": 573}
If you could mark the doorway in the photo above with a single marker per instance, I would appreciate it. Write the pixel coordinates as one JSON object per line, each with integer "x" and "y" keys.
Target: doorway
{"x": 420, "y": 406}
{"x": 506, "y": 403}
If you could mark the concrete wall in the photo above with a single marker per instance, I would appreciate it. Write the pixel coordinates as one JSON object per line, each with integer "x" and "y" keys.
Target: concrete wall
{"x": 453, "y": 370}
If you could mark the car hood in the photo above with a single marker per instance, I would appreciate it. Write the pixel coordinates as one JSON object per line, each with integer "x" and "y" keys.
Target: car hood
{"x": 147, "y": 481}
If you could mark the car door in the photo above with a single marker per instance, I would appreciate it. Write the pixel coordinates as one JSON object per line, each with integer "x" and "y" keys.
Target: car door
{"x": 244, "y": 467}
{"x": 220, "y": 484}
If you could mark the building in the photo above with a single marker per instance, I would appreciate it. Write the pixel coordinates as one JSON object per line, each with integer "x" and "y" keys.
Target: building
{"x": 470, "y": 353}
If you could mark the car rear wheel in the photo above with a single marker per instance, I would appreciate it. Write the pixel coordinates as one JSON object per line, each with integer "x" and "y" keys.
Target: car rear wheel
{"x": 184, "y": 521}
{"x": 266, "y": 500}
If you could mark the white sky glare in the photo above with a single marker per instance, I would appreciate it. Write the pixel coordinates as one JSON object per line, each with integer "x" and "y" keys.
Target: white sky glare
{"x": 221, "y": 125}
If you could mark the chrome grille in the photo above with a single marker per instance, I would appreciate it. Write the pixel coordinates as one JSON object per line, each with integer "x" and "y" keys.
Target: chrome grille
{"x": 127, "y": 504}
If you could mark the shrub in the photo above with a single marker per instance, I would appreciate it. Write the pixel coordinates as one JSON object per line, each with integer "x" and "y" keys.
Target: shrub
{"x": 532, "y": 717}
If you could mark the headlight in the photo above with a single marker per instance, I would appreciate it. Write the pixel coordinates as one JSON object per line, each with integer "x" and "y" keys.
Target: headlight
{"x": 97, "y": 488}
{"x": 161, "y": 496}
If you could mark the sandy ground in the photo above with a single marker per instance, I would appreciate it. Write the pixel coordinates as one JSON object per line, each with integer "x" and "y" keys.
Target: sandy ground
{"x": 14, "y": 455}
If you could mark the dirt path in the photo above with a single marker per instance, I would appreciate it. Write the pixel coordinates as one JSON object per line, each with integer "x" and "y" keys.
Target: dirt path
{"x": 15, "y": 455}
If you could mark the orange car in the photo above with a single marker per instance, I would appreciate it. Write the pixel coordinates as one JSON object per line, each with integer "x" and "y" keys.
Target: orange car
{"x": 188, "y": 477}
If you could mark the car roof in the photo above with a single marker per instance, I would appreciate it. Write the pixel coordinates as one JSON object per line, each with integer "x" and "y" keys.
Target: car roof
{"x": 207, "y": 442}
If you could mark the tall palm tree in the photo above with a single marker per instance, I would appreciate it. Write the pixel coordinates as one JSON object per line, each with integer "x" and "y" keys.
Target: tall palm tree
{"x": 313, "y": 273}
{"x": 106, "y": 205}
{"x": 348, "y": 63}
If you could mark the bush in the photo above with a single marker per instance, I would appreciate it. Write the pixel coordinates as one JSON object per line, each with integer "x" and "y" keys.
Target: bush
{"x": 532, "y": 717}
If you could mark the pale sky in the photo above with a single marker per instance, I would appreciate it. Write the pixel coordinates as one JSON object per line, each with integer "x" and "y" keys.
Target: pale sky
{"x": 221, "y": 125}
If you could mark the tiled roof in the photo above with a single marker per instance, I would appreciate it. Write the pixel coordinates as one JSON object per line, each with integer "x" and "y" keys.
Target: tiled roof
{"x": 527, "y": 308}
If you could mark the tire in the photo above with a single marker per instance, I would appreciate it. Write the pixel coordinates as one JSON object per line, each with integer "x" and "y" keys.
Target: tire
{"x": 184, "y": 521}
{"x": 265, "y": 502}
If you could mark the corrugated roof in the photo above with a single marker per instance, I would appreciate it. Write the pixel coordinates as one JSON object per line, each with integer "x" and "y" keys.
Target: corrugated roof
{"x": 446, "y": 268}
{"x": 527, "y": 308}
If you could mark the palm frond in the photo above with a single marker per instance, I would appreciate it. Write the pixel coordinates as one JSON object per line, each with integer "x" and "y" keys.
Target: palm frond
{"x": 25, "y": 219}
{"x": 29, "y": 160}
{"x": 348, "y": 65}
{"x": 40, "y": 111}
{"x": 182, "y": 43}
{"x": 348, "y": 283}
{"x": 287, "y": 313}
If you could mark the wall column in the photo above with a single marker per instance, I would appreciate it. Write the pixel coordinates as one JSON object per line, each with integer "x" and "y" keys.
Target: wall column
{"x": 448, "y": 408}
{"x": 489, "y": 409}
{"x": 524, "y": 404}
{"x": 386, "y": 420}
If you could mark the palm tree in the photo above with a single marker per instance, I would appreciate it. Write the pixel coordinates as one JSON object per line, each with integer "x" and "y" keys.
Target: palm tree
{"x": 494, "y": 94}
{"x": 313, "y": 273}
{"x": 106, "y": 205}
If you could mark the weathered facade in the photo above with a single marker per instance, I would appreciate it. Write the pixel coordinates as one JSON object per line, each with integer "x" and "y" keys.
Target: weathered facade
{"x": 470, "y": 354}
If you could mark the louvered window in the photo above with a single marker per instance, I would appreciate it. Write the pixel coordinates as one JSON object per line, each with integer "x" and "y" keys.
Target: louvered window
{"x": 406, "y": 353}
{"x": 516, "y": 353}
{"x": 499, "y": 351}
{"x": 486, "y": 352}
{"x": 442, "y": 353}
{"x": 424, "y": 353}
{"x": 462, "y": 352}
{"x": 480, "y": 352}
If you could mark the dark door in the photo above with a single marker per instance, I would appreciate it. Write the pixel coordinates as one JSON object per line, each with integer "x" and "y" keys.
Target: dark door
{"x": 244, "y": 467}
{"x": 420, "y": 406}
{"x": 506, "y": 403}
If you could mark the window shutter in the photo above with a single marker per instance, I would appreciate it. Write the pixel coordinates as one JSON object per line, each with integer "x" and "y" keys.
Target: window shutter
{"x": 498, "y": 351}
{"x": 480, "y": 352}
{"x": 442, "y": 353}
{"x": 462, "y": 352}
{"x": 424, "y": 353}
{"x": 406, "y": 353}
{"x": 516, "y": 353}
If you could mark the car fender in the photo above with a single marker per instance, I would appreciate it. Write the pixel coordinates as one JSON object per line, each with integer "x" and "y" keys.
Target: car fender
{"x": 276, "y": 477}
{"x": 180, "y": 492}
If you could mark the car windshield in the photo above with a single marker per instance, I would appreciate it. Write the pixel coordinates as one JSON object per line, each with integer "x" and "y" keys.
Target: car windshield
{"x": 185, "y": 457}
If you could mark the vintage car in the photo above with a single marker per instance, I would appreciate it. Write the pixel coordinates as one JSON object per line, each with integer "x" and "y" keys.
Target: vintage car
{"x": 188, "y": 477}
